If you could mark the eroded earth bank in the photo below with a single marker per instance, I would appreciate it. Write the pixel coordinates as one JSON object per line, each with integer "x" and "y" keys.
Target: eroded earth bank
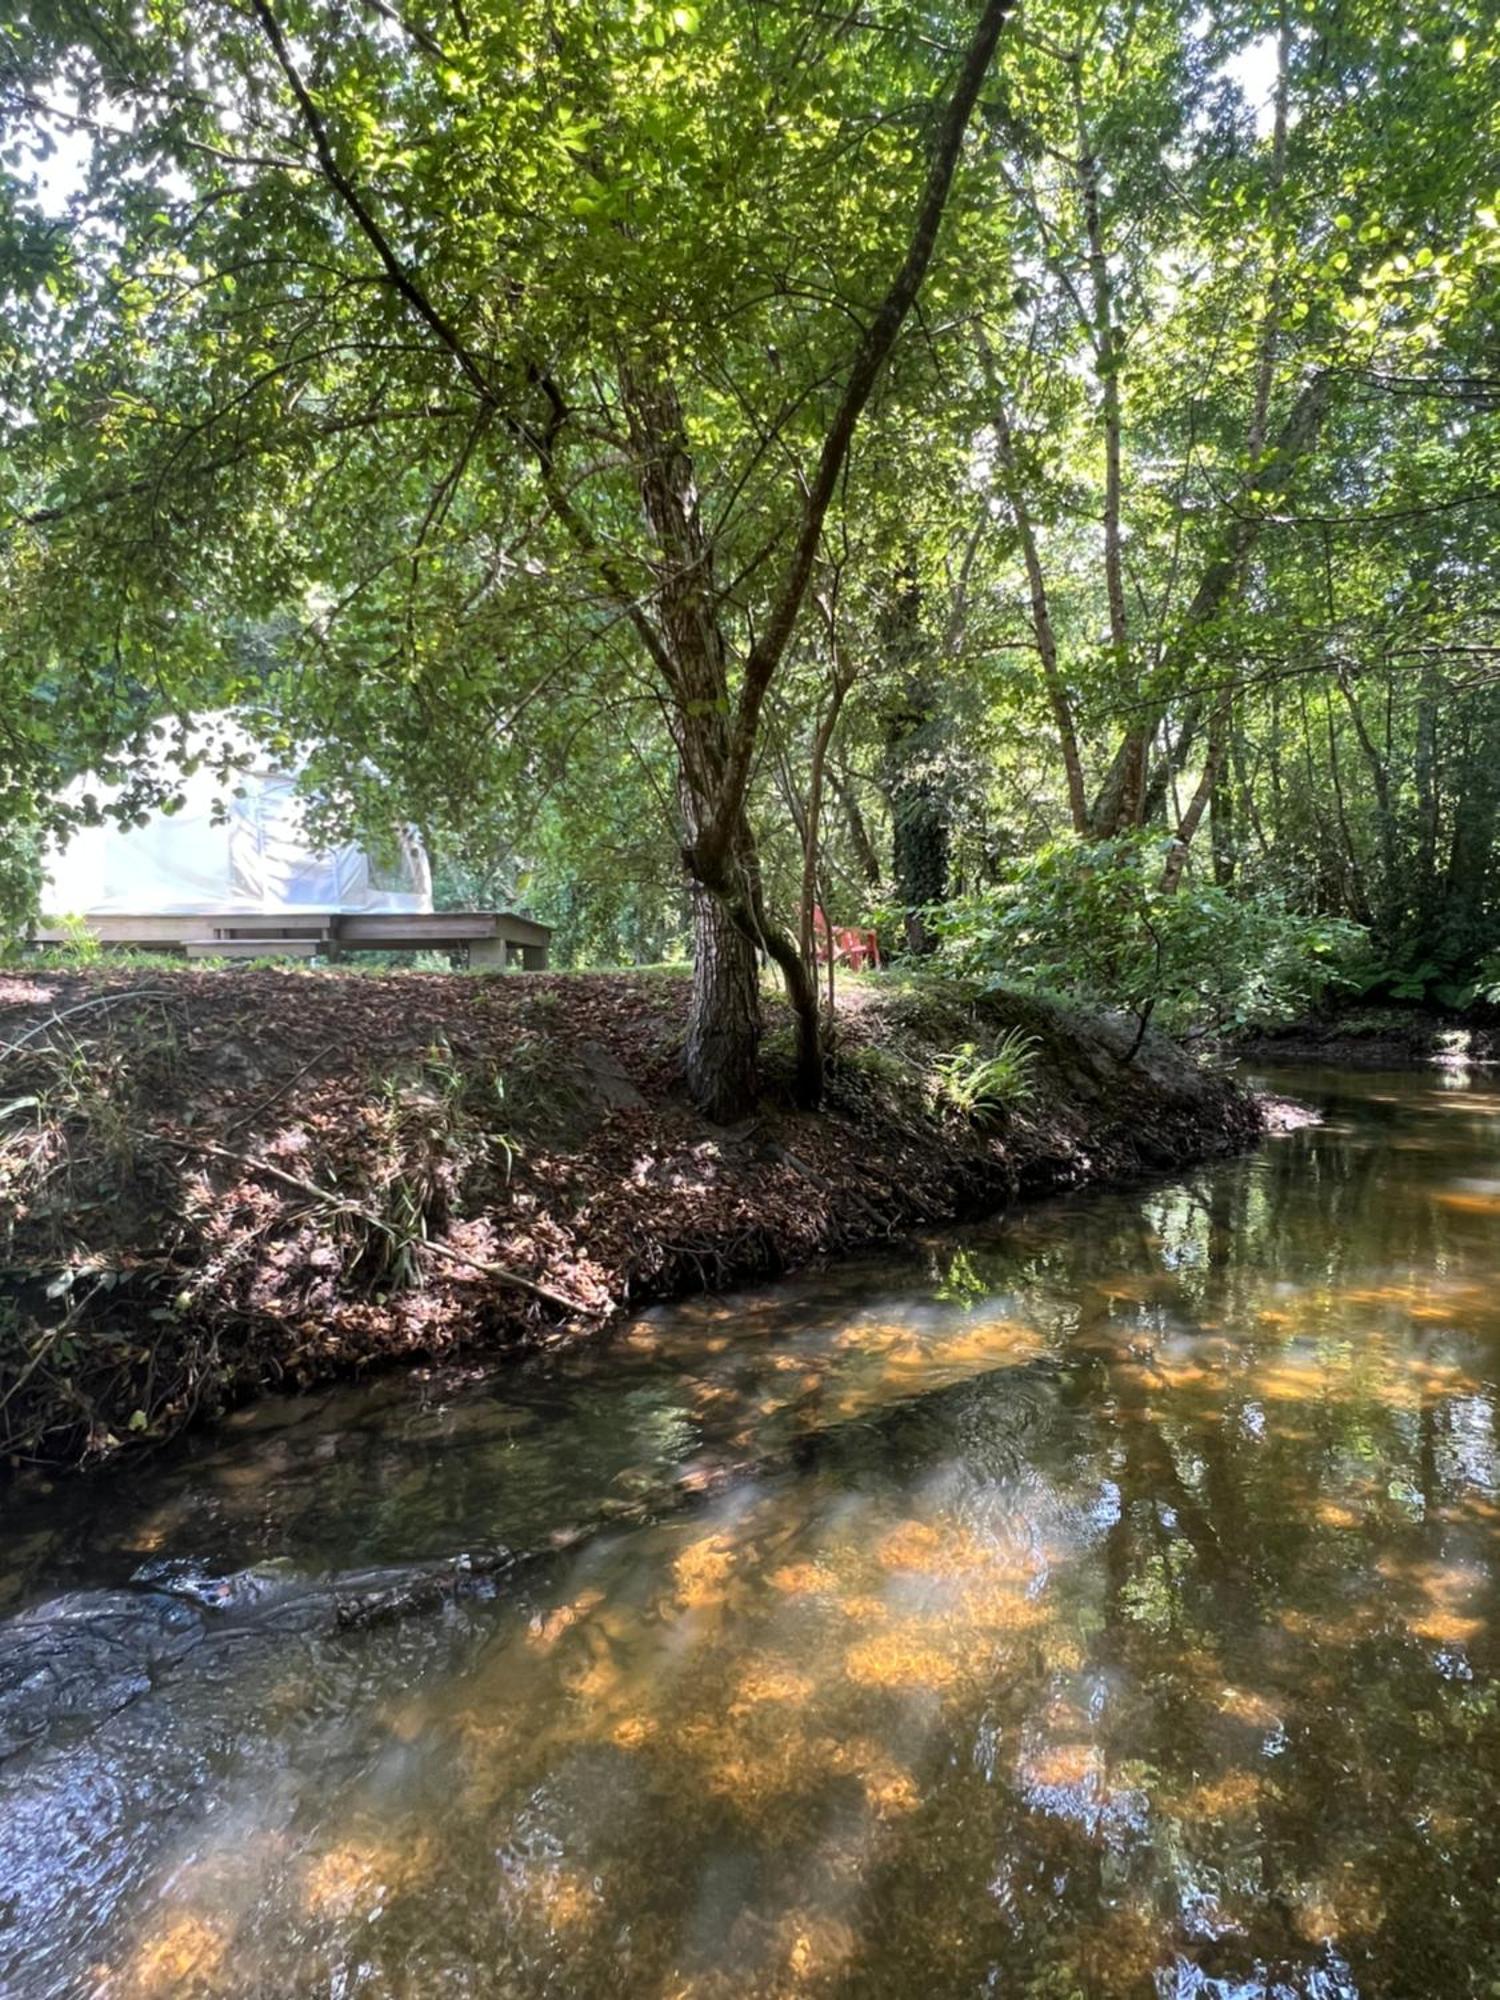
{"x": 216, "y": 1182}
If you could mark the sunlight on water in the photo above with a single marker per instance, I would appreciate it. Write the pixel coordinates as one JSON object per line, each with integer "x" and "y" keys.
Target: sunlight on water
{"x": 1102, "y": 1604}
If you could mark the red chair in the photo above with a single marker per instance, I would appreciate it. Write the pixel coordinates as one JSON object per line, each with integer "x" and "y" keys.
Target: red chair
{"x": 855, "y": 949}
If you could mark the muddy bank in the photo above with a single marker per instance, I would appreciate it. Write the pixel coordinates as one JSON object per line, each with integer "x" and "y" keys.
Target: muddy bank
{"x": 1382, "y": 1038}
{"x": 215, "y": 1181}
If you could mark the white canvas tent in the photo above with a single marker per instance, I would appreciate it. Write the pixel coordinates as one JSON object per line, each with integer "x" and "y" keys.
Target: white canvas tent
{"x": 232, "y": 849}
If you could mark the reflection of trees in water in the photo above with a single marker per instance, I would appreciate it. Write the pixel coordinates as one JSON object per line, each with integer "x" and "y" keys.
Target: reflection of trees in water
{"x": 1124, "y": 1596}
{"x": 1306, "y": 1512}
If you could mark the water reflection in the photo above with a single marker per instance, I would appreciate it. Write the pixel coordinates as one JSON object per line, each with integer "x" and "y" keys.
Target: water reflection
{"x": 1103, "y": 1605}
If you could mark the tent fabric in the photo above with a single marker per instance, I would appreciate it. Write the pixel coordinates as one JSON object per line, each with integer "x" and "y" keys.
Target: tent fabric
{"x": 231, "y": 849}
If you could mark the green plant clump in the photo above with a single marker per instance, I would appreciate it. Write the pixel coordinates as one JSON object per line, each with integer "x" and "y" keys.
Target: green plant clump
{"x": 1104, "y": 922}
{"x": 980, "y": 1087}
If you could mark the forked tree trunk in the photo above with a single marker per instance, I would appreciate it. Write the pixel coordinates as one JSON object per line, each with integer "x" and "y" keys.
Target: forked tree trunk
{"x": 679, "y": 622}
{"x": 718, "y": 737}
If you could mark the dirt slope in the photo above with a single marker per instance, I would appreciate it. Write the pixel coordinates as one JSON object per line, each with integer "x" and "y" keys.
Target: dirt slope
{"x": 215, "y": 1180}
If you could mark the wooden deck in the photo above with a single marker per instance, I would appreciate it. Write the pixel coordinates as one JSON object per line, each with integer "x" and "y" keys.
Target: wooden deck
{"x": 483, "y": 937}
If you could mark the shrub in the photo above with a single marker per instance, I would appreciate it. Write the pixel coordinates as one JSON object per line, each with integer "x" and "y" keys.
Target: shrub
{"x": 1425, "y": 981}
{"x": 1098, "y": 921}
{"x": 20, "y": 880}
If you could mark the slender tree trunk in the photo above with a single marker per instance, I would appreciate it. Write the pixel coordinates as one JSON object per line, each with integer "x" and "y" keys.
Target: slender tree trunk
{"x": 1359, "y": 896}
{"x": 1169, "y": 765}
{"x": 881, "y": 329}
{"x": 1129, "y": 805}
{"x": 1114, "y": 803}
{"x": 1107, "y": 358}
{"x": 1041, "y": 624}
{"x": 842, "y": 787}
{"x": 1385, "y": 816}
{"x": 1427, "y": 801}
{"x": 1187, "y": 827}
{"x": 919, "y": 807}
{"x": 1265, "y": 367}
{"x": 1245, "y": 805}
{"x": 1472, "y": 849}
{"x": 812, "y": 818}
{"x": 1329, "y": 859}
{"x": 1223, "y": 828}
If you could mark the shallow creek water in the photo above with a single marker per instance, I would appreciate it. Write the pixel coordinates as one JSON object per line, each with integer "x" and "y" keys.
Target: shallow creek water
{"x": 1102, "y": 1602}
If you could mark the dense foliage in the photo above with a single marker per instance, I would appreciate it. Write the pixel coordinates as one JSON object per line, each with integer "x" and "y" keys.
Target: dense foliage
{"x": 1104, "y": 919}
{"x": 721, "y": 461}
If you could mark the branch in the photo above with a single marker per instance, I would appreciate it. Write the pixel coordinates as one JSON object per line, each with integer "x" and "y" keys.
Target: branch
{"x": 869, "y": 359}
{"x": 154, "y": 482}
{"x": 337, "y": 179}
{"x": 85, "y": 1007}
{"x": 582, "y": 534}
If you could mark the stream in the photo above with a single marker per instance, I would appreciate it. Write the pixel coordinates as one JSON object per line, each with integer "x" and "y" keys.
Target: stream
{"x": 1100, "y": 1602}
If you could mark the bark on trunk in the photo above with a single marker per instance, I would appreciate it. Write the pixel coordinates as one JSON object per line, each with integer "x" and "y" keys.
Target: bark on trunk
{"x": 919, "y": 809}
{"x": 724, "y": 1020}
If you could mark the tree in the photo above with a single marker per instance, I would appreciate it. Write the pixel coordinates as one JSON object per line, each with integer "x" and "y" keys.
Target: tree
{"x": 770, "y": 450}
{"x": 364, "y": 314}
{"x": 1199, "y": 301}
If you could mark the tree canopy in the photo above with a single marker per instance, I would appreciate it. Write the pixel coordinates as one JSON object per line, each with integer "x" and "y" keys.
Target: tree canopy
{"x": 721, "y": 460}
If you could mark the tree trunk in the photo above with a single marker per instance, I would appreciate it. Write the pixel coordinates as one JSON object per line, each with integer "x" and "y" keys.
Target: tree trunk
{"x": 842, "y": 786}
{"x": 1426, "y": 897}
{"x": 1187, "y": 826}
{"x": 919, "y": 812}
{"x": 724, "y": 1024}
{"x": 1041, "y": 622}
{"x": 920, "y": 843}
{"x": 812, "y": 817}
{"x": 1385, "y": 816}
{"x": 1135, "y": 750}
{"x": 1107, "y": 360}
{"x": 1471, "y": 853}
{"x": 1223, "y": 833}
{"x": 801, "y": 981}
{"x": 1118, "y": 801}
{"x": 718, "y": 738}
{"x": 919, "y": 809}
